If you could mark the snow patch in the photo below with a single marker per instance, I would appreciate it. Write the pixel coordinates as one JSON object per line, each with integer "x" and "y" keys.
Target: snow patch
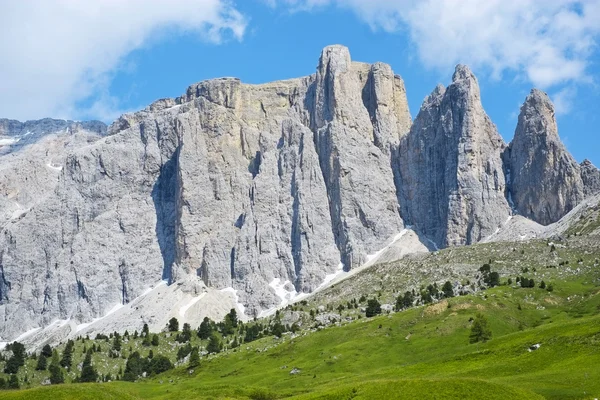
{"x": 49, "y": 165}
{"x": 8, "y": 141}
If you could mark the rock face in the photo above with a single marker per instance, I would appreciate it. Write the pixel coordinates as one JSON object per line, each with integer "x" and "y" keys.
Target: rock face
{"x": 244, "y": 195}
{"x": 545, "y": 180}
{"x": 590, "y": 175}
{"x": 234, "y": 185}
{"x": 451, "y": 173}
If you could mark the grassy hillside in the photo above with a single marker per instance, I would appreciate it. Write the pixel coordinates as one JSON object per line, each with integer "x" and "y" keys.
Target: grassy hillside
{"x": 422, "y": 352}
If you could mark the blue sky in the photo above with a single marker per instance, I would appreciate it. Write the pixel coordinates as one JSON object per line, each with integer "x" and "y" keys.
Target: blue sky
{"x": 96, "y": 59}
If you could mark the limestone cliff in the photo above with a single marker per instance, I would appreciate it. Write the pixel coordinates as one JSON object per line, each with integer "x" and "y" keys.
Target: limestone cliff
{"x": 545, "y": 180}
{"x": 451, "y": 174}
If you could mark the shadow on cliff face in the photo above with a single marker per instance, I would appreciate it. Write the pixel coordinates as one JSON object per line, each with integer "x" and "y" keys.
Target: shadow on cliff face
{"x": 165, "y": 195}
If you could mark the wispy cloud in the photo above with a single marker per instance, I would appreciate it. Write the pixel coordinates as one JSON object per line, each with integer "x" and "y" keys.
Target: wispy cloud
{"x": 548, "y": 42}
{"x": 57, "y": 55}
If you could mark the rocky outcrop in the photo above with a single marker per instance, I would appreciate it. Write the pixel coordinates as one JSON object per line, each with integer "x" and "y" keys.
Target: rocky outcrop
{"x": 590, "y": 176}
{"x": 250, "y": 187}
{"x": 245, "y": 195}
{"x": 545, "y": 180}
{"x": 451, "y": 174}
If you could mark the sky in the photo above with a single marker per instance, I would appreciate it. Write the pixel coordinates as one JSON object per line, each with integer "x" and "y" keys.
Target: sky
{"x": 97, "y": 59}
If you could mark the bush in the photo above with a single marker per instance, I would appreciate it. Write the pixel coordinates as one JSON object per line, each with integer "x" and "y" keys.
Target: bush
{"x": 13, "y": 382}
{"x": 160, "y": 364}
{"x": 480, "y": 331}
{"x": 542, "y": 285}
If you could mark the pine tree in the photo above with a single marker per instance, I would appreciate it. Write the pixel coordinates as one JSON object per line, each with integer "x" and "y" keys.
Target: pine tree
{"x": 56, "y": 373}
{"x": 47, "y": 351}
{"x": 155, "y": 340}
{"x": 214, "y": 344}
{"x": 88, "y": 372}
{"x": 186, "y": 334}
{"x": 373, "y": 308}
{"x": 116, "y": 343}
{"x": 542, "y": 285}
{"x": 480, "y": 331}
{"x": 145, "y": 330}
{"x": 205, "y": 329}
{"x": 146, "y": 342}
{"x": 173, "y": 325}
{"x": 448, "y": 290}
{"x": 67, "y": 358}
{"x": 194, "y": 358}
{"x": 42, "y": 363}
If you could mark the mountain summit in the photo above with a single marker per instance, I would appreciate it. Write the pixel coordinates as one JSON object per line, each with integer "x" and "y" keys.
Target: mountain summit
{"x": 244, "y": 196}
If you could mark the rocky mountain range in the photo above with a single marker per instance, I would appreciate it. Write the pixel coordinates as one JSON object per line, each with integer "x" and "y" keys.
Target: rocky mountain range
{"x": 247, "y": 195}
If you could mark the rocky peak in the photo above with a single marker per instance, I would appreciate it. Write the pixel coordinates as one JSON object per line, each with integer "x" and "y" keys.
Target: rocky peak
{"x": 334, "y": 59}
{"x": 463, "y": 73}
{"x": 590, "y": 175}
{"x": 545, "y": 180}
{"x": 452, "y": 179}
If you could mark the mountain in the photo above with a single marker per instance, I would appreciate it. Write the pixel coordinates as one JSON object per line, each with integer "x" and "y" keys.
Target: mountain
{"x": 545, "y": 180}
{"x": 247, "y": 196}
{"x": 451, "y": 167}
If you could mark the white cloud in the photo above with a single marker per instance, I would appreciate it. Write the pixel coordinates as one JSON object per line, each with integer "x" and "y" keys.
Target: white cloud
{"x": 548, "y": 42}
{"x": 563, "y": 100}
{"x": 56, "y": 54}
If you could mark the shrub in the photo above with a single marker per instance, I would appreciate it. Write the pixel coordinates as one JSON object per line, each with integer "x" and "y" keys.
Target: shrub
{"x": 480, "y": 331}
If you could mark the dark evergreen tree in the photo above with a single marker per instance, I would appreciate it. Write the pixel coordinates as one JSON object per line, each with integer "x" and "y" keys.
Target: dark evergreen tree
{"x": 173, "y": 325}
{"x": 160, "y": 364}
{"x": 145, "y": 330}
{"x": 116, "y": 346}
{"x": 67, "y": 359}
{"x": 542, "y": 285}
{"x": 88, "y": 372}
{"x": 56, "y": 372}
{"x": 252, "y": 333}
{"x": 194, "y": 358}
{"x": 184, "y": 351}
{"x": 42, "y": 363}
{"x": 185, "y": 335}
{"x": 448, "y": 290}
{"x": 373, "y": 308}
{"x": 214, "y": 344}
{"x": 12, "y": 365}
{"x": 13, "y": 382}
{"x": 155, "y": 340}
{"x": 135, "y": 367}
{"x": 205, "y": 329}
{"x": 47, "y": 351}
